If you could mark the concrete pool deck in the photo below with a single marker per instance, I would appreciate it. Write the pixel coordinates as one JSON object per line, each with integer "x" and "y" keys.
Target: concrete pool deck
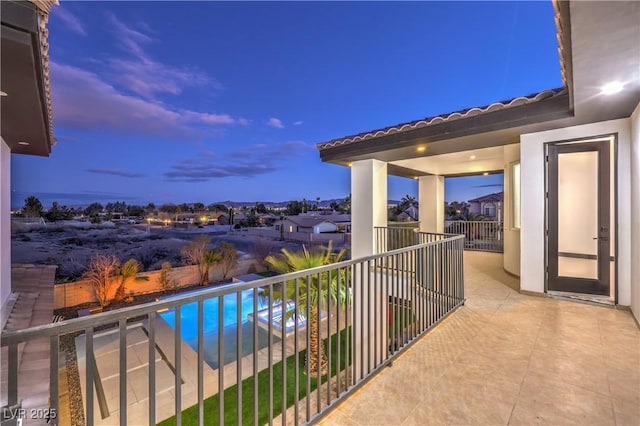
{"x": 106, "y": 350}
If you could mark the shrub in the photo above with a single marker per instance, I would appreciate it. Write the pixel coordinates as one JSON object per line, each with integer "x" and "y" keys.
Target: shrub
{"x": 166, "y": 281}
{"x": 101, "y": 274}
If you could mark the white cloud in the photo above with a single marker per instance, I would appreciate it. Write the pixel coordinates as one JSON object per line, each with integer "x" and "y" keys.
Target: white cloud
{"x": 275, "y": 122}
{"x": 70, "y": 21}
{"x": 84, "y": 99}
{"x": 145, "y": 76}
{"x": 297, "y": 123}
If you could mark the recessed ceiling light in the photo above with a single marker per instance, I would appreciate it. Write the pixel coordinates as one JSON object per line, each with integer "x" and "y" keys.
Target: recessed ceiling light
{"x": 3, "y": 93}
{"x": 472, "y": 157}
{"x": 23, "y": 143}
{"x": 612, "y": 87}
{"x": 421, "y": 148}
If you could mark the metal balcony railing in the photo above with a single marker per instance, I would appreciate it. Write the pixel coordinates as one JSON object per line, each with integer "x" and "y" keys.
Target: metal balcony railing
{"x": 382, "y": 304}
{"x": 483, "y": 235}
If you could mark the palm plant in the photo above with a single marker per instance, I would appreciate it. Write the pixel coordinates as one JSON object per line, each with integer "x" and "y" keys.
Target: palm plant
{"x": 313, "y": 292}
{"x": 208, "y": 259}
{"x": 128, "y": 270}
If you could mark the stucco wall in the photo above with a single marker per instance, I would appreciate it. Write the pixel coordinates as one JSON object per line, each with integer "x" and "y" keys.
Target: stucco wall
{"x": 5, "y": 222}
{"x": 532, "y": 262}
{"x": 79, "y": 292}
{"x": 511, "y": 256}
{"x": 635, "y": 213}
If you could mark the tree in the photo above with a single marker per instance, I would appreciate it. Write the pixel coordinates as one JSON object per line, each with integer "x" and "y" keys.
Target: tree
{"x": 198, "y": 207}
{"x": 228, "y": 257}
{"x": 217, "y": 208}
{"x": 282, "y": 219}
{"x": 135, "y": 211}
{"x": 406, "y": 202}
{"x": 101, "y": 273}
{"x": 169, "y": 208}
{"x": 320, "y": 287}
{"x": 252, "y": 220}
{"x": 294, "y": 208}
{"x": 93, "y": 209}
{"x": 57, "y": 212}
{"x": 345, "y": 206}
{"x": 209, "y": 258}
{"x": 457, "y": 210}
{"x": 32, "y": 207}
{"x": 261, "y": 208}
{"x": 128, "y": 270}
{"x": 194, "y": 254}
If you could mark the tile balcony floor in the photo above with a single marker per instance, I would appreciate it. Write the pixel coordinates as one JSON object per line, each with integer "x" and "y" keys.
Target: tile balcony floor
{"x": 507, "y": 358}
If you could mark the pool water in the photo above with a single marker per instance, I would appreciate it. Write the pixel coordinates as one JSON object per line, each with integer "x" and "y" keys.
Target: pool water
{"x": 189, "y": 326}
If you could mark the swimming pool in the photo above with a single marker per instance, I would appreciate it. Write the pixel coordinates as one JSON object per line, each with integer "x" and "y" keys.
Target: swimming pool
{"x": 189, "y": 326}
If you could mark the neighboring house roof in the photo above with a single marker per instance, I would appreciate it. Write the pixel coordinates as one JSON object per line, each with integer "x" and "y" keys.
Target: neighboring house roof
{"x": 412, "y": 212}
{"x": 490, "y": 198}
{"x": 443, "y": 118}
{"x": 307, "y": 222}
{"x": 337, "y": 217}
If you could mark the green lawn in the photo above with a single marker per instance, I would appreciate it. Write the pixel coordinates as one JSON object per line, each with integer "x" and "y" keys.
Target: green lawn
{"x": 190, "y": 415}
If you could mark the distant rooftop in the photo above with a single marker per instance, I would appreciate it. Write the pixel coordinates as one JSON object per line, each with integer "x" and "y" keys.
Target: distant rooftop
{"x": 495, "y": 197}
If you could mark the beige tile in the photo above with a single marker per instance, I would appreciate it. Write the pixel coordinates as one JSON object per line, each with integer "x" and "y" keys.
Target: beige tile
{"x": 585, "y": 372}
{"x": 462, "y": 403}
{"x": 505, "y": 358}
{"x": 545, "y": 399}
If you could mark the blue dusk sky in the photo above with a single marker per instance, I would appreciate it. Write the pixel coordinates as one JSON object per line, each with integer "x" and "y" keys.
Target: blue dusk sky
{"x": 200, "y": 101}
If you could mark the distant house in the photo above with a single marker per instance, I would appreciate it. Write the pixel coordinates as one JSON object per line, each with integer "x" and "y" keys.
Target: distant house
{"x": 306, "y": 224}
{"x": 342, "y": 220}
{"x": 490, "y": 206}
{"x": 409, "y": 215}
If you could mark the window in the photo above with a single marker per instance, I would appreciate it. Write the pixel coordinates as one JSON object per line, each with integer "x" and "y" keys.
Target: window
{"x": 489, "y": 210}
{"x": 515, "y": 195}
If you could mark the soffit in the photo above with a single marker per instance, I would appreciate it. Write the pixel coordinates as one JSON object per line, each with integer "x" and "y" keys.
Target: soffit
{"x": 24, "y": 77}
{"x": 605, "y": 45}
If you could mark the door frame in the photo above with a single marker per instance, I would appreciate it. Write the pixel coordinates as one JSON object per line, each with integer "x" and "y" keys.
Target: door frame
{"x": 612, "y": 138}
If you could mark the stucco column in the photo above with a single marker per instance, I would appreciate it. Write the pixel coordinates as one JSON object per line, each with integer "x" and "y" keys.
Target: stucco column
{"x": 511, "y": 257}
{"x": 431, "y": 201}
{"x": 368, "y": 204}
{"x": 5, "y": 222}
{"x": 369, "y": 312}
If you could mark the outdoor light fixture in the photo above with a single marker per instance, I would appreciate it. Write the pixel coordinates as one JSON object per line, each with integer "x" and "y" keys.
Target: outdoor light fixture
{"x": 472, "y": 157}
{"x": 485, "y": 174}
{"x": 611, "y": 88}
{"x": 421, "y": 148}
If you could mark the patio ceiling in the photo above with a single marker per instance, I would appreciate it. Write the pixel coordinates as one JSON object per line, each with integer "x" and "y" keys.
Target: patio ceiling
{"x": 25, "y": 102}
{"x": 598, "y": 44}
{"x": 457, "y": 163}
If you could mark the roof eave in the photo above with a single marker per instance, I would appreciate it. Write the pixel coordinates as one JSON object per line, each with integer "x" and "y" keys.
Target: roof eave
{"x": 548, "y": 109}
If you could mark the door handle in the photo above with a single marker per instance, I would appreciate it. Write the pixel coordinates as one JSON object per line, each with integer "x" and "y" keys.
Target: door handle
{"x": 601, "y": 238}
